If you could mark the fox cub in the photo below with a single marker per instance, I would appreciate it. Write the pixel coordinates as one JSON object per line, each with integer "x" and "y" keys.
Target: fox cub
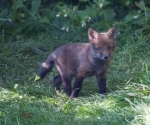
{"x": 81, "y": 60}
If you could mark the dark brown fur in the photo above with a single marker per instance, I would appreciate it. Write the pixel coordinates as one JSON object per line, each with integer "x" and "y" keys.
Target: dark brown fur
{"x": 81, "y": 60}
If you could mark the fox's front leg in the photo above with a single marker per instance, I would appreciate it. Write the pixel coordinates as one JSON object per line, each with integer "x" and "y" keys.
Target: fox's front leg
{"x": 77, "y": 86}
{"x": 102, "y": 83}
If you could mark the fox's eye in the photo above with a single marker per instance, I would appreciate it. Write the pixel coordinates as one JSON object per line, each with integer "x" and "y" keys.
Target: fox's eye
{"x": 99, "y": 48}
{"x": 109, "y": 47}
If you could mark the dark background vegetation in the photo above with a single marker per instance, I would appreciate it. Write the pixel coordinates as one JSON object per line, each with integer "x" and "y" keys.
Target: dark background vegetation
{"x": 32, "y": 17}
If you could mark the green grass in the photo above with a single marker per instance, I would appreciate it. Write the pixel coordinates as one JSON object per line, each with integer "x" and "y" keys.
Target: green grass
{"x": 25, "y": 102}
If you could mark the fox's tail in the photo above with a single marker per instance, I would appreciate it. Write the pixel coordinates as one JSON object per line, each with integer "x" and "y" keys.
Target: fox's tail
{"x": 46, "y": 67}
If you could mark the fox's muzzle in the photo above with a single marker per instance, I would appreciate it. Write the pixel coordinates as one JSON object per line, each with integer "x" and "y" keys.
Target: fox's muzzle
{"x": 104, "y": 57}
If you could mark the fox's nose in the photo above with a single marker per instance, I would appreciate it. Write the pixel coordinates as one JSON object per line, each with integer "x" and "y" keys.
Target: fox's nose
{"x": 105, "y": 57}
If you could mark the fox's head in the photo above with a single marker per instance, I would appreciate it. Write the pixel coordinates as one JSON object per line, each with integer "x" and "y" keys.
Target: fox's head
{"x": 102, "y": 44}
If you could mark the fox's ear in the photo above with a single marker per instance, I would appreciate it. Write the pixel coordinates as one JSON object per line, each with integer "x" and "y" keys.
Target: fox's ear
{"x": 92, "y": 34}
{"x": 112, "y": 33}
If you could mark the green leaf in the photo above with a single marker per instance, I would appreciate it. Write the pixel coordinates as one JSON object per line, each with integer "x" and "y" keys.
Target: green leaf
{"x": 37, "y": 78}
{"x": 44, "y": 20}
{"x": 132, "y": 15}
{"x": 35, "y": 5}
{"x": 105, "y": 3}
{"x": 140, "y": 5}
{"x": 89, "y": 11}
{"x": 110, "y": 14}
{"x": 3, "y": 13}
{"x": 51, "y": 100}
{"x": 18, "y": 4}
{"x": 139, "y": 20}
{"x": 83, "y": 0}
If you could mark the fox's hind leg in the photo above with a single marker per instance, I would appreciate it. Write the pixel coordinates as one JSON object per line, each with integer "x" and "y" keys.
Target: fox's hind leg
{"x": 67, "y": 83}
{"x": 57, "y": 82}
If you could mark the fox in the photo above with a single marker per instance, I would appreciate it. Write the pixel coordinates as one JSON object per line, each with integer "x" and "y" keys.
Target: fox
{"x": 81, "y": 60}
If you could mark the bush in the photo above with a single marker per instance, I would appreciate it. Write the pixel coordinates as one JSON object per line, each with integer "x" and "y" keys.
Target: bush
{"x": 25, "y": 17}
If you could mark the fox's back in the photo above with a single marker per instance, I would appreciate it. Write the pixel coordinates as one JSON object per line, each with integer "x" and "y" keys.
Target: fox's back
{"x": 70, "y": 47}
{"x": 68, "y": 57}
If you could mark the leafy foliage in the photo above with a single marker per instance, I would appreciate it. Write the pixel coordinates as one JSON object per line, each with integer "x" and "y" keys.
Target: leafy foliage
{"x": 33, "y": 17}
